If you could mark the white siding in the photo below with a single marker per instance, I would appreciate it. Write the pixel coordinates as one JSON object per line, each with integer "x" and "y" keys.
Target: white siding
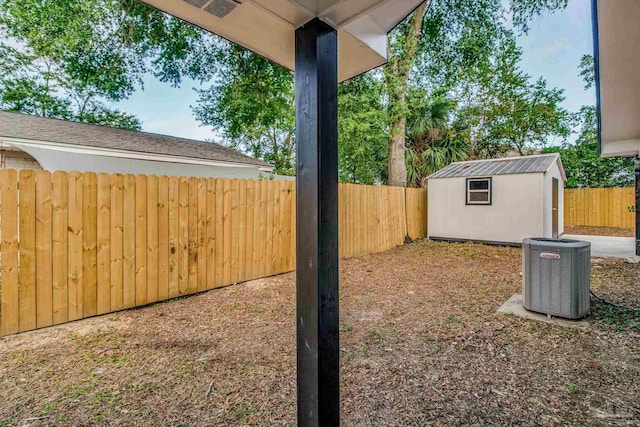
{"x": 54, "y": 160}
{"x": 516, "y": 211}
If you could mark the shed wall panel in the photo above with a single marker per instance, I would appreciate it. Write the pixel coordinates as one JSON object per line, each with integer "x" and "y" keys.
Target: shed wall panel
{"x": 516, "y": 211}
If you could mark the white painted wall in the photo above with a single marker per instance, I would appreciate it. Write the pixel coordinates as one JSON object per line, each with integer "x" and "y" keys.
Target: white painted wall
{"x": 54, "y": 160}
{"x": 553, "y": 172}
{"x": 516, "y": 211}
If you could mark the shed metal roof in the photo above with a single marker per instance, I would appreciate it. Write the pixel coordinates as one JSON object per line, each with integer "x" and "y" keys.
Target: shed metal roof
{"x": 24, "y": 126}
{"x": 505, "y": 166}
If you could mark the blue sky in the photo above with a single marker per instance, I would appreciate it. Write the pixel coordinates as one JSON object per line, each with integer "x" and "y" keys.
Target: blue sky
{"x": 552, "y": 49}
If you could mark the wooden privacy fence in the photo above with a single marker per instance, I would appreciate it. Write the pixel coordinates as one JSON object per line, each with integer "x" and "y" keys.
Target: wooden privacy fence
{"x": 599, "y": 207}
{"x": 75, "y": 245}
{"x": 416, "y": 206}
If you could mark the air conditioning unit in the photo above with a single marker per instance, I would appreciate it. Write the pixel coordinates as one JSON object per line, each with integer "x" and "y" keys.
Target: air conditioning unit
{"x": 556, "y": 276}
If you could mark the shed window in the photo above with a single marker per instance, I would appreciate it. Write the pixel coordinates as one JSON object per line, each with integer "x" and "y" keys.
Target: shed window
{"x": 478, "y": 191}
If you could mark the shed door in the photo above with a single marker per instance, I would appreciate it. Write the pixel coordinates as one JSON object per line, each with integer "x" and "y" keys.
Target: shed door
{"x": 554, "y": 213}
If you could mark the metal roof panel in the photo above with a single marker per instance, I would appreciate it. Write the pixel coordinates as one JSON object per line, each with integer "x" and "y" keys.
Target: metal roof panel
{"x": 539, "y": 163}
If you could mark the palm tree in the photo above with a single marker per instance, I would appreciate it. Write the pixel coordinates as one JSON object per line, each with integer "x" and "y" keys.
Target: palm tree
{"x": 431, "y": 142}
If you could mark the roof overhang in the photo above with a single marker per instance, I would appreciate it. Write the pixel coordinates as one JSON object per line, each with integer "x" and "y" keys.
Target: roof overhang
{"x": 616, "y": 30}
{"x": 267, "y": 27}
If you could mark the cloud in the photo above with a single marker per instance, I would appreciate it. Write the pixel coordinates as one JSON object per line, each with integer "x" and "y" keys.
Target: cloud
{"x": 556, "y": 47}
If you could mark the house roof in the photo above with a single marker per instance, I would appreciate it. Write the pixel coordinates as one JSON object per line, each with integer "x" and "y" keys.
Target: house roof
{"x": 27, "y": 127}
{"x": 539, "y": 163}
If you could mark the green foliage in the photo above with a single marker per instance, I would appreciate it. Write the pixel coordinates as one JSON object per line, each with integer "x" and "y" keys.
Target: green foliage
{"x": 503, "y": 110}
{"x": 431, "y": 142}
{"x": 251, "y": 102}
{"x": 37, "y": 86}
{"x": 458, "y": 38}
{"x": 464, "y": 49}
{"x": 582, "y": 164}
{"x": 362, "y": 126}
{"x": 524, "y": 11}
{"x": 70, "y": 59}
{"x": 587, "y": 73}
{"x": 614, "y": 318}
{"x": 452, "y": 87}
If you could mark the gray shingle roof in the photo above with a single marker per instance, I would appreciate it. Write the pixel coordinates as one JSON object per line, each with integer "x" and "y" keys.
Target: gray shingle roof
{"x": 507, "y": 166}
{"x": 23, "y": 126}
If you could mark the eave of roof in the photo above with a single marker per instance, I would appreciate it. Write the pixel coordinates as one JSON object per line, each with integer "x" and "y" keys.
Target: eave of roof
{"x": 616, "y": 36}
{"x": 267, "y": 27}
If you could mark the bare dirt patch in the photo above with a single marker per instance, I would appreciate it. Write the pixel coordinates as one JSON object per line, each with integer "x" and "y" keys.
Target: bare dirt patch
{"x": 599, "y": 231}
{"x": 420, "y": 340}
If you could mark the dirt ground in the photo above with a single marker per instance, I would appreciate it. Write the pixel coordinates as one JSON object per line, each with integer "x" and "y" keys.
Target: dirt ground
{"x": 600, "y": 231}
{"x": 421, "y": 344}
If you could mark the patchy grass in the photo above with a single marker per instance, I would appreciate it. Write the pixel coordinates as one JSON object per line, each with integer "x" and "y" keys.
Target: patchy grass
{"x": 421, "y": 344}
{"x": 610, "y": 281}
{"x": 614, "y": 318}
{"x": 599, "y": 231}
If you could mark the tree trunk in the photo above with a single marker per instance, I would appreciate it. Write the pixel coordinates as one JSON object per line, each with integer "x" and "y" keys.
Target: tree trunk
{"x": 397, "y": 75}
{"x": 397, "y": 168}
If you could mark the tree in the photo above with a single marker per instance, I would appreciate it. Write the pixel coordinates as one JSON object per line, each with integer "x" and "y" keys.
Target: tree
{"x": 431, "y": 143}
{"x": 404, "y": 45}
{"x": 70, "y": 59}
{"x": 584, "y": 166}
{"x": 362, "y": 130}
{"x": 444, "y": 40}
{"x": 524, "y": 11}
{"x": 102, "y": 48}
{"x": 34, "y": 85}
{"x": 504, "y": 111}
{"x": 582, "y": 163}
{"x": 586, "y": 71}
{"x": 251, "y": 103}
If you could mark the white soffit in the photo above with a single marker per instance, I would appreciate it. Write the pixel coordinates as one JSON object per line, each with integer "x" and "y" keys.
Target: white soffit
{"x": 267, "y": 27}
{"x": 618, "y": 79}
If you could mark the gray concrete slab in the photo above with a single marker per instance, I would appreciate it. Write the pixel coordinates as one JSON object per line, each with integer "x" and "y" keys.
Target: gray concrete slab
{"x": 515, "y": 306}
{"x": 604, "y": 246}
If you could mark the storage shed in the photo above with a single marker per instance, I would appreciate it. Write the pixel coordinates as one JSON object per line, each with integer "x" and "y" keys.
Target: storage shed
{"x": 498, "y": 200}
